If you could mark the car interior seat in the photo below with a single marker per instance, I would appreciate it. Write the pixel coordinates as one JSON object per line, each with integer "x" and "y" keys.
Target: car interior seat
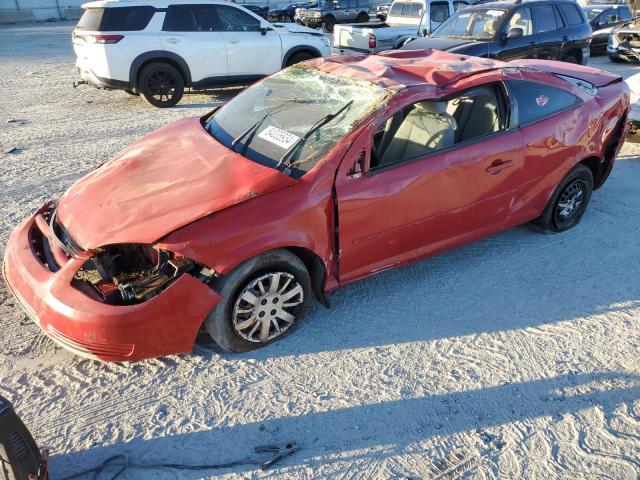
{"x": 476, "y": 115}
{"x": 426, "y": 127}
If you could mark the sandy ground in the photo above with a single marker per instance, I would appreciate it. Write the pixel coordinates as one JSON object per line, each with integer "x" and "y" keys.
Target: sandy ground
{"x": 513, "y": 357}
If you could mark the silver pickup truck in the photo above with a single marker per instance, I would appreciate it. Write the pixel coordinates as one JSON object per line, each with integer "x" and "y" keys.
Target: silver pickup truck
{"x": 402, "y": 23}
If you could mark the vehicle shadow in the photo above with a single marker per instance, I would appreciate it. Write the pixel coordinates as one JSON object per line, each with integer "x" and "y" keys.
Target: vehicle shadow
{"x": 391, "y": 427}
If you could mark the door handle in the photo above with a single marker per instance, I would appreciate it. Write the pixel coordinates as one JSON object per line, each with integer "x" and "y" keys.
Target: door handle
{"x": 497, "y": 166}
{"x": 233, "y": 40}
{"x": 172, "y": 40}
{"x": 565, "y": 38}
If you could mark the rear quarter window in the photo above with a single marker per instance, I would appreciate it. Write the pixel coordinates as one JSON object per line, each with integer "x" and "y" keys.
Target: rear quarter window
{"x": 117, "y": 19}
{"x": 571, "y": 13}
{"x": 536, "y": 101}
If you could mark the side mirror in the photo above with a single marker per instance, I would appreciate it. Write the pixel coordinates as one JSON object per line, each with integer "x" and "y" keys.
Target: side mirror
{"x": 425, "y": 32}
{"x": 264, "y": 30}
{"x": 515, "y": 32}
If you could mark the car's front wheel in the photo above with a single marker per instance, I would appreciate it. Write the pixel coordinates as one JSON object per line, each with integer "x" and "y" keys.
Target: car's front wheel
{"x": 161, "y": 85}
{"x": 285, "y": 18}
{"x": 568, "y": 202}
{"x": 262, "y": 299}
{"x": 299, "y": 57}
{"x": 362, "y": 17}
{"x": 329, "y": 23}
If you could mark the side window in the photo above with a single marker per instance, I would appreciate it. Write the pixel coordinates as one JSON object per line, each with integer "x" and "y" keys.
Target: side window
{"x": 625, "y": 14}
{"x": 522, "y": 19}
{"x": 457, "y": 5}
{"x": 559, "y": 21}
{"x": 544, "y": 19}
{"x": 571, "y": 13}
{"x": 428, "y": 126}
{"x": 232, "y": 19}
{"x": 189, "y": 18}
{"x": 536, "y": 101}
{"x": 416, "y": 10}
{"x": 350, "y": 4}
{"x": 439, "y": 12}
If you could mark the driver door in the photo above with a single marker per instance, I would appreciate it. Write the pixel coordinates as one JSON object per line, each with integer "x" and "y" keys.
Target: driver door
{"x": 250, "y": 51}
{"x": 427, "y": 186}
{"x": 520, "y": 47}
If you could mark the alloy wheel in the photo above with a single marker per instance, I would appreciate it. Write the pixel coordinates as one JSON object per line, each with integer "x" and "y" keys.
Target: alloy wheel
{"x": 162, "y": 84}
{"x": 570, "y": 202}
{"x": 266, "y": 307}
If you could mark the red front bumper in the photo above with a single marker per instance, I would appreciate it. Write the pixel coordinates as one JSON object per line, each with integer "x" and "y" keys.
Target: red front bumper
{"x": 166, "y": 324}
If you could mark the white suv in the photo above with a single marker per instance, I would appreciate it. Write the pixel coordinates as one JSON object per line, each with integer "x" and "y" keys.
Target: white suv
{"x": 158, "y": 49}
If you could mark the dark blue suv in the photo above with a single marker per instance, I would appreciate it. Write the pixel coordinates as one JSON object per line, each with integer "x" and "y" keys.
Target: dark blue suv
{"x": 544, "y": 29}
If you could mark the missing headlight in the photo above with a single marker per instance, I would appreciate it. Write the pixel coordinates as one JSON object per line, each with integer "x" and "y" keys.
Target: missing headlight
{"x": 130, "y": 274}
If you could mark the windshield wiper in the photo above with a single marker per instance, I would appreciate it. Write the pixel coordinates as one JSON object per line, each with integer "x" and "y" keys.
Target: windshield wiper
{"x": 319, "y": 124}
{"x": 254, "y": 128}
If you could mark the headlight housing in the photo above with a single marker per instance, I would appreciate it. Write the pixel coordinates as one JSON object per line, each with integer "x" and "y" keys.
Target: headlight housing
{"x": 127, "y": 274}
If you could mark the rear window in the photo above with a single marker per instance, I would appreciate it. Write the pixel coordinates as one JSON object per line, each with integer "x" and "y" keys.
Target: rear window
{"x": 571, "y": 13}
{"x": 118, "y": 19}
{"x": 401, "y": 9}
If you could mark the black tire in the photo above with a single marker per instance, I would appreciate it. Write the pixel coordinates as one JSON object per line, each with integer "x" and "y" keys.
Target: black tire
{"x": 362, "y": 17}
{"x": 220, "y": 321}
{"x": 570, "y": 59}
{"x": 555, "y": 218}
{"x": 161, "y": 85}
{"x": 328, "y": 24}
{"x": 299, "y": 57}
{"x": 615, "y": 59}
{"x": 284, "y": 18}
{"x": 132, "y": 92}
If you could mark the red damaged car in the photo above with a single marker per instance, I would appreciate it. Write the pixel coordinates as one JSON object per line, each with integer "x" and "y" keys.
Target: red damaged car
{"x": 319, "y": 175}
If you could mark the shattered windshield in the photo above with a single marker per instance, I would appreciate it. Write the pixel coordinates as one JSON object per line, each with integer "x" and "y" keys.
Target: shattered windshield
{"x": 474, "y": 24}
{"x": 292, "y": 119}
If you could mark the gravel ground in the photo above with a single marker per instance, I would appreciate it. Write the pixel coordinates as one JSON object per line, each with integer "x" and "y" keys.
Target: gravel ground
{"x": 513, "y": 357}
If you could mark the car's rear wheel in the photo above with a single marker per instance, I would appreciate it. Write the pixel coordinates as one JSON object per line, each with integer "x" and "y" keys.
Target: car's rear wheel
{"x": 329, "y": 23}
{"x": 262, "y": 299}
{"x": 615, "y": 59}
{"x": 570, "y": 59}
{"x": 161, "y": 85}
{"x": 299, "y": 57}
{"x": 362, "y": 17}
{"x": 284, "y": 18}
{"x": 568, "y": 202}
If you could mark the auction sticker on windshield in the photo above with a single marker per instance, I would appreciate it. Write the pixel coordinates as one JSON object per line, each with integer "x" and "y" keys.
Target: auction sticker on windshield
{"x": 279, "y": 137}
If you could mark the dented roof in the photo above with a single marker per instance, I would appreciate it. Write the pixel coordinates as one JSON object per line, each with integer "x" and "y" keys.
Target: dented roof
{"x": 396, "y": 69}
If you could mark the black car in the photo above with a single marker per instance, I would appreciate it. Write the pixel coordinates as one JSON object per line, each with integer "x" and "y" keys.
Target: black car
{"x": 285, "y": 15}
{"x": 544, "y": 29}
{"x": 603, "y": 18}
{"x": 258, "y": 10}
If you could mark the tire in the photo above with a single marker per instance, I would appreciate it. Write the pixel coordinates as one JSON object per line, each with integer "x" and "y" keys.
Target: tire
{"x": 328, "y": 24}
{"x": 299, "y": 57}
{"x": 615, "y": 59}
{"x": 575, "y": 192}
{"x": 225, "y": 322}
{"x": 161, "y": 85}
{"x": 132, "y": 92}
{"x": 362, "y": 17}
{"x": 284, "y": 19}
{"x": 570, "y": 59}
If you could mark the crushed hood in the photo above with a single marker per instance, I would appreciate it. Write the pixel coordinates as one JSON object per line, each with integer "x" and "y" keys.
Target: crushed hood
{"x": 168, "y": 179}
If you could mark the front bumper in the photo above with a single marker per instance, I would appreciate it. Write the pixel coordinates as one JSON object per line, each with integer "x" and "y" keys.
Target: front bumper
{"x": 167, "y": 324}
{"x": 312, "y": 22}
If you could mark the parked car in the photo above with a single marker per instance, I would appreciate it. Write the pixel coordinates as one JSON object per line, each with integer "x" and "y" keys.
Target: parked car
{"x": 382, "y": 10}
{"x": 544, "y": 29}
{"x": 260, "y": 10}
{"x": 328, "y": 13}
{"x": 624, "y": 42}
{"x": 320, "y": 175}
{"x": 603, "y": 18}
{"x": 161, "y": 48}
{"x": 286, "y": 14}
{"x": 402, "y": 24}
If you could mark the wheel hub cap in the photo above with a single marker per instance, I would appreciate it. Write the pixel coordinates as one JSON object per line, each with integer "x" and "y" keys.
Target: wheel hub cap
{"x": 570, "y": 201}
{"x": 266, "y": 307}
